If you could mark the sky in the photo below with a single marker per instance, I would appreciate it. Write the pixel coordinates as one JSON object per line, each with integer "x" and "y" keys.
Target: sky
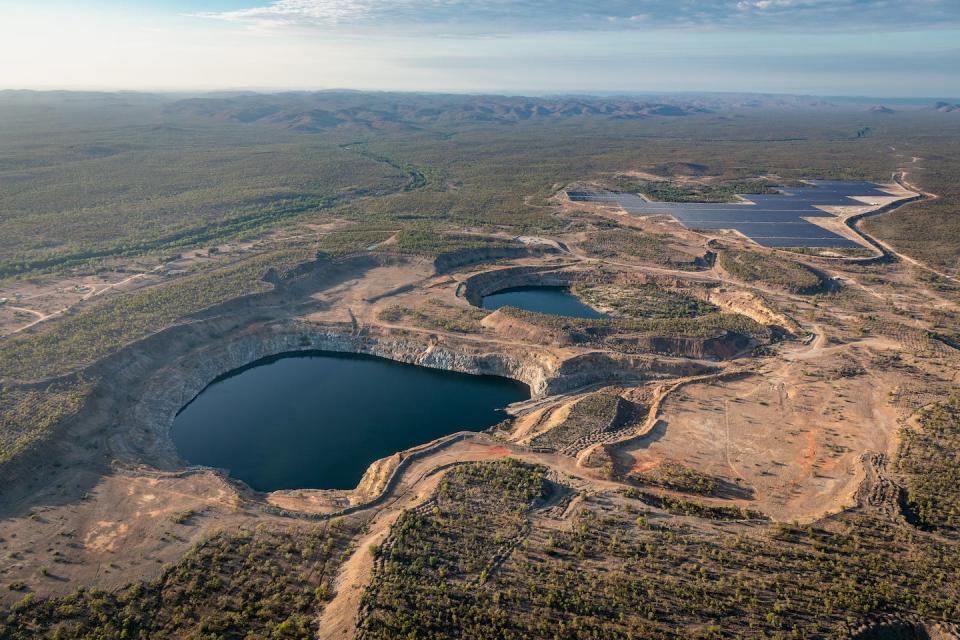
{"x": 892, "y": 48}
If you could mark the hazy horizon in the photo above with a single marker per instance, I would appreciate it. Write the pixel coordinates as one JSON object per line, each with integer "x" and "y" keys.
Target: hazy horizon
{"x": 857, "y": 48}
{"x": 911, "y": 100}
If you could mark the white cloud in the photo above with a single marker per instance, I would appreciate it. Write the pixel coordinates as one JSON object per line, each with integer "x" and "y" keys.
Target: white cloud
{"x": 320, "y": 11}
{"x": 334, "y": 13}
{"x": 510, "y": 16}
{"x": 764, "y": 4}
{"x": 82, "y": 49}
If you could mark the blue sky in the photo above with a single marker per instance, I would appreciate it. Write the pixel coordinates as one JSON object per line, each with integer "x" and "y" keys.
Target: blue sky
{"x": 831, "y": 47}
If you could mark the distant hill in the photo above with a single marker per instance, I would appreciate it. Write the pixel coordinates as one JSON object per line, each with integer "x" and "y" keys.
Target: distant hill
{"x": 322, "y": 111}
{"x": 946, "y": 107}
{"x": 879, "y": 108}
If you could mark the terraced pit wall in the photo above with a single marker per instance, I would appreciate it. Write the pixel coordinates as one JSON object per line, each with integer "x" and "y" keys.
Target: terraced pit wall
{"x": 474, "y": 288}
{"x": 152, "y": 379}
{"x": 171, "y": 387}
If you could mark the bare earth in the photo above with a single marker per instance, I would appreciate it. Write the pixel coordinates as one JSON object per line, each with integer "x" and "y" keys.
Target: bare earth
{"x": 792, "y": 427}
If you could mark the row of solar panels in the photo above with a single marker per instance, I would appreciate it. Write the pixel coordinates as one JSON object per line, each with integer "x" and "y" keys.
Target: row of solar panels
{"x": 769, "y": 220}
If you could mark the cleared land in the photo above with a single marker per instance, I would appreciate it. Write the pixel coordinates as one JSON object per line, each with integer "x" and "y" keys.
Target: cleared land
{"x": 753, "y": 445}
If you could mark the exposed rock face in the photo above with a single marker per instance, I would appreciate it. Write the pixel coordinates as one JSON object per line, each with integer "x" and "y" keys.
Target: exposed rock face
{"x": 474, "y": 288}
{"x": 753, "y": 306}
{"x": 720, "y": 347}
{"x": 151, "y": 380}
{"x": 724, "y": 344}
{"x": 376, "y": 477}
{"x": 610, "y": 368}
{"x": 172, "y": 386}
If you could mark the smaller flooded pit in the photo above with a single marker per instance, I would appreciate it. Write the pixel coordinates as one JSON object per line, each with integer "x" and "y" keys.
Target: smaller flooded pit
{"x": 554, "y": 301}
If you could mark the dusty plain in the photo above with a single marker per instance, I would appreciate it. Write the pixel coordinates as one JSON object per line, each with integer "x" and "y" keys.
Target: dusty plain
{"x": 785, "y": 422}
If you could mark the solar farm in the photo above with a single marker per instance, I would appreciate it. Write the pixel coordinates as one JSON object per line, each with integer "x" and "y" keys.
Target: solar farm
{"x": 774, "y": 220}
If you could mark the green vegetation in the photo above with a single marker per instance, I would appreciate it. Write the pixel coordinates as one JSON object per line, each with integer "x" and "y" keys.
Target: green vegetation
{"x": 436, "y": 557}
{"x": 26, "y": 414}
{"x": 665, "y": 191}
{"x": 415, "y": 176}
{"x": 355, "y": 238}
{"x": 928, "y": 230}
{"x": 683, "y": 507}
{"x": 77, "y": 340}
{"x": 928, "y": 461}
{"x": 101, "y": 182}
{"x": 438, "y": 315}
{"x": 189, "y": 238}
{"x": 765, "y": 268}
{"x": 847, "y": 252}
{"x": 623, "y": 241}
{"x": 267, "y": 583}
{"x": 421, "y": 240}
{"x": 594, "y": 413}
{"x": 88, "y": 180}
{"x": 161, "y": 193}
{"x": 677, "y": 477}
{"x": 916, "y": 340}
{"x": 619, "y": 571}
{"x": 705, "y": 326}
{"x": 636, "y": 300}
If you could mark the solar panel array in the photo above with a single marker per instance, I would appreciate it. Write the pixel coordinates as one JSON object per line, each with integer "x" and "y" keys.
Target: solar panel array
{"x": 774, "y": 220}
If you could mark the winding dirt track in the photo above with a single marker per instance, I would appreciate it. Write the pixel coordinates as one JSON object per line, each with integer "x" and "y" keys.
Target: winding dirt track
{"x": 887, "y": 249}
{"x": 416, "y": 482}
{"x": 339, "y": 617}
{"x": 42, "y": 317}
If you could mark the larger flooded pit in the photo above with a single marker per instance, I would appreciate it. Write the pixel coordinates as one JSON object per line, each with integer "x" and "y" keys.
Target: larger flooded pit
{"x": 318, "y": 419}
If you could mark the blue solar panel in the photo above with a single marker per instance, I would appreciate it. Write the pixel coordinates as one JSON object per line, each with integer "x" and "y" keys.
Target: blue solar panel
{"x": 772, "y": 220}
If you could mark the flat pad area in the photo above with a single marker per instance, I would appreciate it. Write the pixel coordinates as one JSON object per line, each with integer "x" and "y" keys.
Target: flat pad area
{"x": 775, "y": 220}
{"x": 794, "y": 438}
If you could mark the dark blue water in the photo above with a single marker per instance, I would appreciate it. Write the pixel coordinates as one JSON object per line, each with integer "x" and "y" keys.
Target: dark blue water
{"x": 555, "y": 301}
{"x": 772, "y": 220}
{"x": 317, "y": 420}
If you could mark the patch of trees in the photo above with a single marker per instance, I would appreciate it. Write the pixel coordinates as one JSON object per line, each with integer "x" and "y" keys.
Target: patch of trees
{"x": 433, "y": 554}
{"x": 162, "y": 198}
{"x": 677, "y": 477}
{"x": 753, "y": 266}
{"x": 76, "y": 340}
{"x": 684, "y": 507}
{"x": 596, "y": 412}
{"x": 644, "y": 301}
{"x": 619, "y": 570}
{"x": 622, "y": 241}
{"x": 928, "y": 462}
{"x": 665, "y": 191}
{"x": 439, "y": 315}
{"x": 709, "y": 325}
{"x": 425, "y": 240}
{"x": 26, "y": 414}
{"x": 266, "y": 583}
{"x": 263, "y": 216}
